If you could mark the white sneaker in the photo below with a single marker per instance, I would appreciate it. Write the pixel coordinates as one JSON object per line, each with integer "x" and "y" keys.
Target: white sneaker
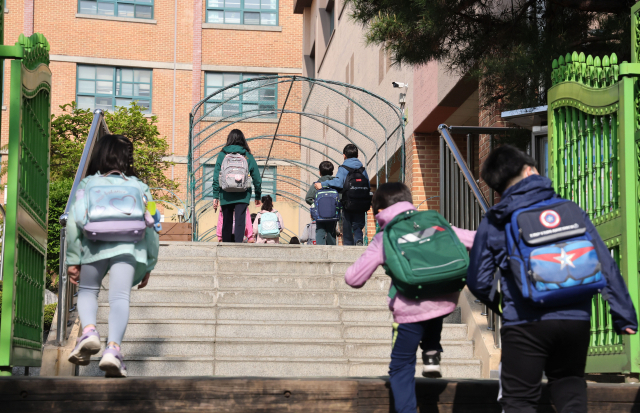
{"x": 87, "y": 345}
{"x": 431, "y": 365}
{"x": 112, "y": 363}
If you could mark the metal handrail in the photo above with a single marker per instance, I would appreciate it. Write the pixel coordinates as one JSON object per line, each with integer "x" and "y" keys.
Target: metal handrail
{"x": 461, "y": 196}
{"x": 462, "y": 164}
{"x": 66, "y": 290}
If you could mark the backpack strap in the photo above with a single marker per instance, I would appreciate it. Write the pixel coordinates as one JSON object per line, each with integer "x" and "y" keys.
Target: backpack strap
{"x": 347, "y": 168}
{"x": 118, "y": 172}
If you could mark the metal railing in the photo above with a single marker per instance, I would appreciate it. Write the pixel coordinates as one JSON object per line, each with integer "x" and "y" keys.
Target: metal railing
{"x": 67, "y": 290}
{"x": 461, "y": 200}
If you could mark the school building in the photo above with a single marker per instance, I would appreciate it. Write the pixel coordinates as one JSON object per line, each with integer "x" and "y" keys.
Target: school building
{"x": 167, "y": 56}
{"x": 334, "y": 48}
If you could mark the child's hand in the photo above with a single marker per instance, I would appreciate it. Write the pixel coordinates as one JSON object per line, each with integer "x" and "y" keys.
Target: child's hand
{"x": 73, "y": 271}
{"x": 145, "y": 280}
{"x": 318, "y": 186}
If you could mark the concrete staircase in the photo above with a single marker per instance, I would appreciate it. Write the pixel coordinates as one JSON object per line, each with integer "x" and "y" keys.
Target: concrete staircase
{"x": 264, "y": 310}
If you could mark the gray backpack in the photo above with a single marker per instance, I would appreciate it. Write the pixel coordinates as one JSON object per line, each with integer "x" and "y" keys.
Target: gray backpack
{"x": 234, "y": 173}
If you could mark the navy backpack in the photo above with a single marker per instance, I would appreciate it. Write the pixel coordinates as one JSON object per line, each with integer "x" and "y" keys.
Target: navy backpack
{"x": 326, "y": 207}
{"x": 551, "y": 254}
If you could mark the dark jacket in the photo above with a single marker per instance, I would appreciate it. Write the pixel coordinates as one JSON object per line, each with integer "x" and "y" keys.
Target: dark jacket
{"x": 338, "y": 181}
{"x": 311, "y": 193}
{"x": 490, "y": 252}
{"x": 236, "y": 197}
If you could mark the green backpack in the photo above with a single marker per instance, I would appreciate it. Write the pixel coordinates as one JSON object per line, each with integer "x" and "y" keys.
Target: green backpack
{"x": 424, "y": 257}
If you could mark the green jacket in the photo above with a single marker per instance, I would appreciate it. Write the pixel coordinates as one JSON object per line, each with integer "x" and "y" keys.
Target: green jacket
{"x": 83, "y": 251}
{"x": 311, "y": 193}
{"x": 236, "y": 197}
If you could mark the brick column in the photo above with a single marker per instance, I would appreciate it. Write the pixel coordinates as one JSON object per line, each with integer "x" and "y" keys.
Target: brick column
{"x": 197, "y": 65}
{"x": 423, "y": 169}
{"x": 28, "y": 17}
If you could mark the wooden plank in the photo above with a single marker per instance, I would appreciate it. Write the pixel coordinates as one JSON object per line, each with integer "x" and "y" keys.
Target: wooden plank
{"x": 176, "y": 228}
{"x": 221, "y": 394}
{"x": 175, "y": 237}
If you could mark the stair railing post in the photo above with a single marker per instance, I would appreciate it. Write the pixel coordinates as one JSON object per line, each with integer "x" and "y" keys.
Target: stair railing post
{"x": 63, "y": 286}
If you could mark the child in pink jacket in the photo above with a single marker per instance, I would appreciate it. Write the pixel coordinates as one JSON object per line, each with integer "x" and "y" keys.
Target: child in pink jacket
{"x": 416, "y": 322}
{"x": 248, "y": 230}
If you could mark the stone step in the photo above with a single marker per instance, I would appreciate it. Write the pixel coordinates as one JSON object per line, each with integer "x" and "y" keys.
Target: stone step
{"x": 265, "y": 251}
{"x": 269, "y": 266}
{"x": 268, "y": 330}
{"x": 185, "y": 311}
{"x": 210, "y": 280}
{"x": 230, "y": 347}
{"x": 242, "y": 296}
{"x": 274, "y": 367}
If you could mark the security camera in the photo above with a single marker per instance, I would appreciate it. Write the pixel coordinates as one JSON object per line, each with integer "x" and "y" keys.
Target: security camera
{"x": 398, "y": 84}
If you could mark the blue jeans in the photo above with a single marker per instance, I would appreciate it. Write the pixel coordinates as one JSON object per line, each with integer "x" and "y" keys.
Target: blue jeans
{"x": 352, "y": 225}
{"x": 402, "y": 370}
{"x": 326, "y": 233}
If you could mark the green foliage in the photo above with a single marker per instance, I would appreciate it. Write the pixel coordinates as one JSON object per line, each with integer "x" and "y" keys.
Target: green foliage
{"x": 509, "y": 45}
{"x": 58, "y": 196}
{"x": 70, "y": 129}
{"x": 49, "y": 312}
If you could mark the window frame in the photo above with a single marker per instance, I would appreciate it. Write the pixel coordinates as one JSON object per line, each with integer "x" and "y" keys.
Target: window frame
{"x": 134, "y": 3}
{"x": 241, "y": 94}
{"x": 242, "y": 10}
{"x": 114, "y": 96}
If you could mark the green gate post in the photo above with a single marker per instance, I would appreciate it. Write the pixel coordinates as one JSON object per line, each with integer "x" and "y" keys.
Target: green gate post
{"x": 594, "y": 126}
{"x": 24, "y": 262}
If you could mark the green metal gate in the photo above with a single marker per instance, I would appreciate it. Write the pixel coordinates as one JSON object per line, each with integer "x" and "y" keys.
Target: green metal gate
{"x": 25, "y": 248}
{"x": 594, "y": 143}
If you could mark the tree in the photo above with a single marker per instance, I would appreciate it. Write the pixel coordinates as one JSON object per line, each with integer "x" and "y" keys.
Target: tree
{"x": 509, "y": 45}
{"x": 69, "y": 133}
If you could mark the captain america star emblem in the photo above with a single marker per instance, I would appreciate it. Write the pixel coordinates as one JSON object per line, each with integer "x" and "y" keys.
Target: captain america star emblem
{"x": 550, "y": 218}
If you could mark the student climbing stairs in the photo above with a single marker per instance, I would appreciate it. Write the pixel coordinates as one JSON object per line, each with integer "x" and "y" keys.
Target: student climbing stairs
{"x": 265, "y": 310}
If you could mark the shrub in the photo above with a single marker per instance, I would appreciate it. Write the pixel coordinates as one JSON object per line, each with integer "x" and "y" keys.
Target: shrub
{"x": 58, "y": 196}
{"x": 49, "y": 311}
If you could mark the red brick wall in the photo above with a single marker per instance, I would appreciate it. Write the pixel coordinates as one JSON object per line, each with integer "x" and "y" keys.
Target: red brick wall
{"x": 71, "y": 36}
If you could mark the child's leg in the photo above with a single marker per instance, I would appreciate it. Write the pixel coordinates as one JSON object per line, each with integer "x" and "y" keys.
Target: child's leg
{"x": 120, "y": 281}
{"x": 90, "y": 280}
{"x": 566, "y": 363}
{"x": 402, "y": 370}
{"x": 431, "y": 336}
{"x": 431, "y": 348}
{"x": 88, "y": 342}
{"x": 331, "y": 233}
{"x": 357, "y": 225}
{"x": 241, "y": 216}
{"x": 524, "y": 354}
{"x": 227, "y": 222}
{"x": 347, "y": 231}
{"x": 321, "y": 234}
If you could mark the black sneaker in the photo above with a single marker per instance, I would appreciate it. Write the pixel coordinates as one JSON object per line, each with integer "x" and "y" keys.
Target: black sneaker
{"x": 431, "y": 365}
{"x": 359, "y": 244}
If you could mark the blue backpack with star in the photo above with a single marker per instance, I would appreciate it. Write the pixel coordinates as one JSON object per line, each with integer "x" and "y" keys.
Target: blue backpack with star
{"x": 551, "y": 254}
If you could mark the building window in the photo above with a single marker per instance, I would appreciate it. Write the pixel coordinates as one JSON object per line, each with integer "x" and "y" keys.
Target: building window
{"x": 140, "y": 9}
{"x": 257, "y": 12}
{"x": 103, "y": 87}
{"x": 255, "y": 98}
{"x": 268, "y": 181}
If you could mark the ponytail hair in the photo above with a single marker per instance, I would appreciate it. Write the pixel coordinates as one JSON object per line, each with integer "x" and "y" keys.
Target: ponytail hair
{"x": 267, "y": 203}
